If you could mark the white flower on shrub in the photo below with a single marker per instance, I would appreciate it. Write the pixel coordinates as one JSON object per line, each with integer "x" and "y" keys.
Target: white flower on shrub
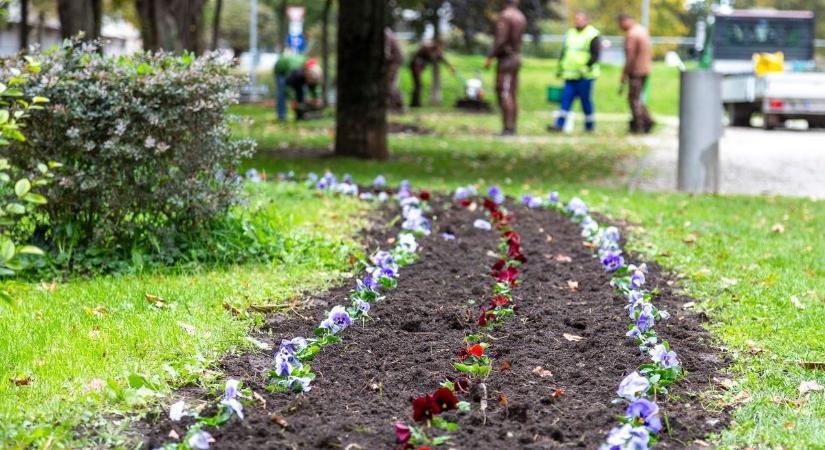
{"x": 149, "y": 142}
{"x": 162, "y": 147}
{"x": 73, "y": 133}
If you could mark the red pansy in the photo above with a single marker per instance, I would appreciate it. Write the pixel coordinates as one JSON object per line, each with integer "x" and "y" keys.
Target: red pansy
{"x": 476, "y": 350}
{"x": 424, "y": 195}
{"x": 465, "y": 202}
{"x": 490, "y": 205}
{"x": 445, "y": 399}
{"x": 424, "y": 408}
{"x": 500, "y": 300}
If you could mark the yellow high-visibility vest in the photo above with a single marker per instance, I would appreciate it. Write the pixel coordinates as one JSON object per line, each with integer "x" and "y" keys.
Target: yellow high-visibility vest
{"x": 577, "y": 54}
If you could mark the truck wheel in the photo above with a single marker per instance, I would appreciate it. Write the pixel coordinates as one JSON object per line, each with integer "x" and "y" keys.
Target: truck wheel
{"x": 739, "y": 115}
{"x": 771, "y": 121}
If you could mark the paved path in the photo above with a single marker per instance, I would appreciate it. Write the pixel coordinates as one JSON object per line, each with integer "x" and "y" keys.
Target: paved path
{"x": 753, "y": 161}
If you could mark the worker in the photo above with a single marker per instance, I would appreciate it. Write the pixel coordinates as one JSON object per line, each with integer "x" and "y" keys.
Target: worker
{"x": 428, "y": 53}
{"x": 510, "y": 27}
{"x": 395, "y": 58}
{"x": 297, "y": 77}
{"x": 579, "y": 68}
{"x": 638, "y": 52}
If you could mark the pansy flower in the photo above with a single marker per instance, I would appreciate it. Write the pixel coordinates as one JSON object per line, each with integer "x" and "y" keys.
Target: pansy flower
{"x": 612, "y": 261}
{"x": 644, "y": 412}
{"x": 379, "y": 181}
{"x": 665, "y": 358}
{"x": 633, "y": 386}
{"x": 402, "y": 433}
{"x": 445, "y": 399}
{"x": 530, "y": 201}
{"x": 553, "y": 197}
{"x": 637, "y": 280}
{"x": 286, "y": 362}
{"x": 230, "y": 397}
{"x": 576, "y": 207}
{"x": 337, "y": 320}
{"x": 424, "y": 408}
{"x": 627, "y": 437}
{"x": 495, "y": 195}
{"x": 200, "y": 440}
{"x": 500, "y": 300}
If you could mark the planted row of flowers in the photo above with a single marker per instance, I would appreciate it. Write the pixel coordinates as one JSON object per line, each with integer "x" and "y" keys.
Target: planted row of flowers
{"x": 291, "y": 369}
{"x": 473, "y": 361}
{"x": 642, "y": 422}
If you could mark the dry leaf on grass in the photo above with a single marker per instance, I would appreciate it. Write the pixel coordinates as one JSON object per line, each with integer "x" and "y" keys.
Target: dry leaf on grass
{"x": 98, "y": 311}
{"x": 279, "y": 420}
{"x": 724, "y": 383}
{"x": 690, "y": 238}
{"x": 808, "y": 386}
{"x": 778, "y": 228}
{"x": 812, "y": 365}
{"x": 51, "y": 287}
{"x": 572, "y": 337}
{"x": 232, "y": 310}
{"x": 787, "y": 402}
{"x": 754, "y": 348}
{"x": 573, "y": 285}
{"x": 688, "y": 305}
{"x": 505, "y": 365}
{"x": 558, "y": 392}
{"x": 23, "y": 380}
{"x": 155, "y": 300}
{"x": 742, "y": 397}
{"x": 542, "y": 372}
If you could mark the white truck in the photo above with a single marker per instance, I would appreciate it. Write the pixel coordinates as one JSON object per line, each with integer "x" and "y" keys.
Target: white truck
{"x": 796, "y": 93}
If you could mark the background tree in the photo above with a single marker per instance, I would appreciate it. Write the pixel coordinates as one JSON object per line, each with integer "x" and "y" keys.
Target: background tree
{"x": 174, "y": 25}
{"x": 24, "y": 25}
{"x": 361, "y": 115}
{"x": 80, "y": 15}
{"x": 216, "y": 23}
{"x": 234, "y": 25}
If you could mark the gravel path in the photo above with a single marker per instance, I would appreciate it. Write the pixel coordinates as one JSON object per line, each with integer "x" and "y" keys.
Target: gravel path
{"x": 753, "y": 161}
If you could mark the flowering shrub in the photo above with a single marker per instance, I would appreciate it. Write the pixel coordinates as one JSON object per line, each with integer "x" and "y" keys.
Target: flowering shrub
{"x": 144, "y": 140}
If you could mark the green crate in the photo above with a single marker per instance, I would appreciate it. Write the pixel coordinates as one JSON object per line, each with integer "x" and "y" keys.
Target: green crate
{"x": 554, "y": 94}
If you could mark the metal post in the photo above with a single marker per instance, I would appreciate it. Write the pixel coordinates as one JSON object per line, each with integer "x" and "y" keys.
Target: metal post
{"x": 700, "y": 127}
{"x": 646, "y": 14}
{"x": 253, "y": 48}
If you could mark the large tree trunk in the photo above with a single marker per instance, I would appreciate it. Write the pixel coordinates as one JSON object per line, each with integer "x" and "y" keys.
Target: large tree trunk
{"x": 80, "y": 15}
{"x": 283, "y": 23}
{"x": 325, "y": 50}
{"x": 361, "y": 115}
{"x": 24, "y": 25}
{"x": 173, "y": 25}
{"x": 435, "y": 85}
{"x": 216, "y": 24}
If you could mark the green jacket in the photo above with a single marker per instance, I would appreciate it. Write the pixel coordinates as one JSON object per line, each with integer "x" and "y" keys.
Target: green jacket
{"x": 288, "y": 63}
{"x": 577, "y": 59}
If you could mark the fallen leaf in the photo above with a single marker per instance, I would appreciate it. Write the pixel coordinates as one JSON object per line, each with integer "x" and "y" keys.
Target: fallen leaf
{"x": 542, "y": 372}
{"x": 94, "y": 333}
{"x": 787, "y": 402}
{"x": 155, "y": 300}
{"x": 548, "y": 238}
{"x": 755, "y": 349}
{"x": 789, "y": 425}
{"x": 505, "y": 365}
{"x": 279, "y": 420}
{"x": 743, "y": 396}
{"x": 725, "y": 383}
{"x": 94, "y": 385}
{"x": 728, "y": 282}
{"x": 808, "y": 386}
{"x": 268, "y": 308}
{"x": 352, "y": 260}
{"x": 573, "y": 285}
{"x": 587, "y": 244}
{"x": 796, "y": 302}
{"x": 778, "y": 228}
{"x": 563, "y": 258}
{"x": 259, "y": 399}
{"x": 701, "y": 443}
{"x": 261, "y": 345}
{"x": 51, "y": 287}
{"x": 24, "y": 380}
{"x": 572, "y": 337}
{"x": 97, "y": 311}
{"x": 558, "y": 392}
{"x": 690, "y": 238}
{"x": 502, "y": 399}
{"x": 189, "y": 328}
{"x": 391, "y": 240}
{"x": 688, "y": 305}
{"x": 174, "y": 435}
{"x": 812, "y": 365}
{"x": 232, "y": 310}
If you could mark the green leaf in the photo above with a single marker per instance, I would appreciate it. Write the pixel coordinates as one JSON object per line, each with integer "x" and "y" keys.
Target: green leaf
{"x": 6, "y": 297}
{"x": 6, "y": 249}
{"x": 4, "y": 116}
{"x": 463, "y": 406}
{"x": 22, "y": 187}
{"x": 16, "y": 208}
{"x": 30, "y": 250}
{"x": 38, "y": 99}
{"x": 37, "y": 199}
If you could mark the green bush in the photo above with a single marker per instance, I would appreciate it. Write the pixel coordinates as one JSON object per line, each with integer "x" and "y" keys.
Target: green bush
{"x": 18, "y": 198}
{"x": 145, "y": 144}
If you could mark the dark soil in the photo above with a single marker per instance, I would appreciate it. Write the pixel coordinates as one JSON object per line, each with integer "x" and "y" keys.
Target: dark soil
{"x": 364, "y": 385}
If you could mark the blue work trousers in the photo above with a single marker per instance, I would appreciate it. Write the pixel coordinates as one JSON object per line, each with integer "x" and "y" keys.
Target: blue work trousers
{"x": 583, "y": 89}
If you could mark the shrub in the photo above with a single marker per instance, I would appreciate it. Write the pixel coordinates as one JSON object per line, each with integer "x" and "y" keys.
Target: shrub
{"x": 145, "y": 144}
{"x": 18, "y": 198}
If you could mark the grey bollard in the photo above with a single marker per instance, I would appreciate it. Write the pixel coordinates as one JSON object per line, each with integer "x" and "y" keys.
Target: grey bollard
{"x": 700, "y": 128}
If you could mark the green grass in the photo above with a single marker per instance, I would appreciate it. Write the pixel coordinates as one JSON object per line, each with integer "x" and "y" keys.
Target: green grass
{"x": 59, "y": 344}
{"x": 743, "y": 273}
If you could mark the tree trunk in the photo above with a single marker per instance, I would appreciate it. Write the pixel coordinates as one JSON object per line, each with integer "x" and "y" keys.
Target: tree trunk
{"x": 361, "y": 115}
{"x": 283, "y": 23}
{"x": 24, "y": 25}
{"x": 325, "y": 50}
{"x": 173, "y": 25}
{"x": 216, "y": 24}
{"x": 435, "y": 85}
{"x": 80, "y": 15}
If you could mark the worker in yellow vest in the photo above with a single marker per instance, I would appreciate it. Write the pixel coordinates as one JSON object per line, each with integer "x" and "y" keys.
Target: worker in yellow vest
{"x": 579, "y": 68}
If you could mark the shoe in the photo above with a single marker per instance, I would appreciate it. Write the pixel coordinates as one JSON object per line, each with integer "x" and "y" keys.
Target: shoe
{"x": 507, "y": 133}
{"x": 554, "y": 129}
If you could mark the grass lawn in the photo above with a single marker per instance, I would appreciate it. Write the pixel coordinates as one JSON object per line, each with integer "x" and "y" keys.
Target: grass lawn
{"x": 64, "y": 344}
{"x": 725, "y": 247}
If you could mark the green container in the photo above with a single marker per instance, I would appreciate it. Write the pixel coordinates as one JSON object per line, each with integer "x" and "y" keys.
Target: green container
{"x": 554, "y": 94}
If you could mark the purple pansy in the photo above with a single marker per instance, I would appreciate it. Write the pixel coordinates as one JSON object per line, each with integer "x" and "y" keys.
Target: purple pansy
{"x": 448, "y": 236}
{"x": 379, "y": 181}
{"x": 665, "y": 358}
{"x": 253, "y": 176}
{"x": 382, "y": 259}
{"x": 627, "y": 437}
{"x": 496, "y": 195}
{"x": 200, "y": 440}
{"x": 553, "y": 197}
{"x": 230, "y": 397}
{"x": 576, "y": 207}
{"x": 369, "y": 284}
{"x": 176, "y": 411}
{"x": 633, "y": 386}
{"x": 646, "y": 412}
{"x": 286, "y": 362}
{"x": 362, "y": 306}
{"x": 407, "y": 242}
{"x": 530, "y": 201}
{"x": 637, "y": 280}
{"x": 645, "y": 320}
{"x": 612, "y": 260}
{"x": 337, "y": 320}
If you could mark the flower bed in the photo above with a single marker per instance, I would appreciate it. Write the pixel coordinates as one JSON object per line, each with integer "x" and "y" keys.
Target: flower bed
{"x": 554, "y": 366}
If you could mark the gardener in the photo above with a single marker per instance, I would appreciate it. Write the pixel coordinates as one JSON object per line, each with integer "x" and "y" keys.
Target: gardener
{"x": 510, "y": 27}
{"x": 638, "y": 59}
{"x": 395, "y": 58}
{"x": 296, "y": 76}
{"x": 579, "y": 68}
{"x": 428, "y": 53}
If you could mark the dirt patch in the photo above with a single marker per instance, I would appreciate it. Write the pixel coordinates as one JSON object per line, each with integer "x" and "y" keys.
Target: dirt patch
{"x": 408, "y": 128}
{"x": 364, "y": 385}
